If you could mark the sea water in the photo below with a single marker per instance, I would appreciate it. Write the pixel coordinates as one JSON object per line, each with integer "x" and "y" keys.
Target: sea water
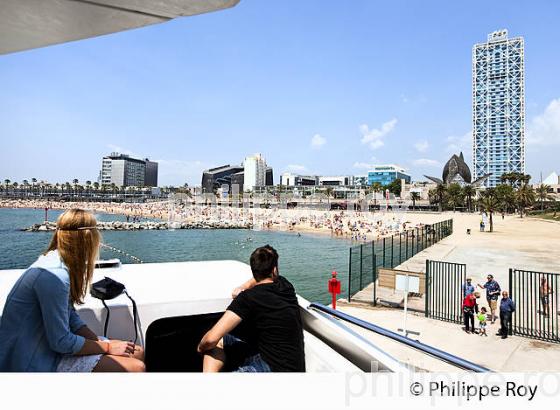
{"x": 307, "y": 260}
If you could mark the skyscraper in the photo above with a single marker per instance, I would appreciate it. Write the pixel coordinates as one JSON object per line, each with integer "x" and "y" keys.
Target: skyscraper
{"x": 498, "y": 98}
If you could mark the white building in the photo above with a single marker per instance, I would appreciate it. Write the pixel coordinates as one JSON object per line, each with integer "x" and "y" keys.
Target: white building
{"x": 122, "y": 170}
{"x": 552, "y": 179}
{"x": 291, "y": 179}
{"x": 498, "y": 99}
{"x": 339, "y": 180}
{"x": 254, "y": 168}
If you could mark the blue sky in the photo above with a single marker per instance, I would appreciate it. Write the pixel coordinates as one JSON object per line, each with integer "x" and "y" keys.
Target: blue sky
{"x": 325, "y": 87}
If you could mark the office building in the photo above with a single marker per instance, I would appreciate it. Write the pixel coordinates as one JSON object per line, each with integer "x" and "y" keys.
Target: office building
{"x": 254, "y": 168}
{"x": 498, "y": 99}
{"x": 360, "y": 180}
{"x": 291, "y": 179}
{"x": 151, "y": 178}
{"x": 234, "y": 177}
{"x": 385, "y": 174}
{"x": 341, "y": 180}
{"x": 123, "y": 171}
{"x": 215, "y": 178}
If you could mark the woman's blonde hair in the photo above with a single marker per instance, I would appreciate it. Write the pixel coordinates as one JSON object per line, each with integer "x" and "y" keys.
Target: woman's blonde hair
{"x": 77, "y": 241}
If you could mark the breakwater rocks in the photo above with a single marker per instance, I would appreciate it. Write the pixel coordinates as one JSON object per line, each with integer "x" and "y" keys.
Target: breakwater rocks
{"x": 148, "y": 226}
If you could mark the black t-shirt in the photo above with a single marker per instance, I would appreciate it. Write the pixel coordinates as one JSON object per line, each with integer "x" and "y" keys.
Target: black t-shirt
{"x": 272, "y": 323}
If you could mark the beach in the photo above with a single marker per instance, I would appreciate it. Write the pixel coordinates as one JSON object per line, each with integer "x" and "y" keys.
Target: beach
{"x": 353, "y": 225}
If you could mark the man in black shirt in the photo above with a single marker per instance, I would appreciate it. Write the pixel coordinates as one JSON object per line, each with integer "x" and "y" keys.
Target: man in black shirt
{"x": 268, "y": 307}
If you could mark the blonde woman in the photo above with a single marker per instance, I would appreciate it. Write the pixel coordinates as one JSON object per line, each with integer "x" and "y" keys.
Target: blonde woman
{"x": 40, "y": 331}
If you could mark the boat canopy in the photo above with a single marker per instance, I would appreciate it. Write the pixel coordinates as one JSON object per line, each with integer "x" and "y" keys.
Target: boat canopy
{"x": 27, "y": 24}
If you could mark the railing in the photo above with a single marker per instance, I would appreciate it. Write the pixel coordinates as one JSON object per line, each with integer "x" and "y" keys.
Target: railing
{"x": 389, "y": 252}
{"x": 429, "y": 350}
{"x": 443, "y": 297}
{"x": 537, "y": 306}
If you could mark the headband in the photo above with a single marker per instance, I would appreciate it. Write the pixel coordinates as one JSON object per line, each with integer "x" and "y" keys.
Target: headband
{"x": 77, "y": 229}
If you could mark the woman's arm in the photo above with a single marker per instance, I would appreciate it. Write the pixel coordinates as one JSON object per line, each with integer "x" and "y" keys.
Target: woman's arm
{"x": 112, "y": 347}
{"x": 52, "y": 296}
{"x": 87, "y": 333}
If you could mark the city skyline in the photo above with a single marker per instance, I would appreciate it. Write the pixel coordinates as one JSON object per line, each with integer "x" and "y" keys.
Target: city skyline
{"x": 334, "y": 95}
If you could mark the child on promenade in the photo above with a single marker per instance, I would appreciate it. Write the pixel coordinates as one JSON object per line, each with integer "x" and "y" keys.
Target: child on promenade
{"x": 482, "y": 322}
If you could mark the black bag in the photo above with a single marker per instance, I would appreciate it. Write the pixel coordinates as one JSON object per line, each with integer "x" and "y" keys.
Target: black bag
{"x": 107, "y": 289}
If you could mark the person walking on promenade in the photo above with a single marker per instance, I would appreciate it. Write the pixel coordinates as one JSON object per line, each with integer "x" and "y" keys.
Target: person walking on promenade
{"x": 544, "y": 292}
{"x": 467, "y": 288}
{"x": 492, "y": 294}
{"x": 469, "y": 308}
{"x": 507, "y": 307}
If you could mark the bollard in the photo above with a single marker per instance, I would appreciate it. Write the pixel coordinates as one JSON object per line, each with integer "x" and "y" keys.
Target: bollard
{"x": 334, "y": 288}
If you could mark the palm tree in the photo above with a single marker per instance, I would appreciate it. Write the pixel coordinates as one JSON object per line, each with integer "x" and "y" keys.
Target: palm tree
{"x": 506, "y": 178}
{"x": 375, "y": 188}
{"x": 88, "y": 187}
{"x": 505, "y": 196}
{"x": 524, "y": 178}
{"x": 75, "y": 182}
{"x": 469, "y": 193}
{"x": 7, "y": 183}
{"x": 414, "y": 196}
{"x": 25, "y": 184}
{"x": 441, "y": 191}
{"x": 329, "y": 192}
{"x": 543, "y": 195}
{"x": 455, "y": 195}
{"x": 488, "y": 203}
{"x": 525, "y": 196}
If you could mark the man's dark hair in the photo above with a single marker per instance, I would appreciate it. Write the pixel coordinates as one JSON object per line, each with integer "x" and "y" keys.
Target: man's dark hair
{"x": 263, "y": 260}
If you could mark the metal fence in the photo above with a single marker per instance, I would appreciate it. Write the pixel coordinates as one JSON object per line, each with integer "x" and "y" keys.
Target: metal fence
{"x": 537, "y": 307}
{"x": 362, "y": 264}
{"x": 389, "y": 252}
{"x": 443, "y": 297}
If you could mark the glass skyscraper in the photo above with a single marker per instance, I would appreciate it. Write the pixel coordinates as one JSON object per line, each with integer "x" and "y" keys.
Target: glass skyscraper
{"x": 498, "y": 73}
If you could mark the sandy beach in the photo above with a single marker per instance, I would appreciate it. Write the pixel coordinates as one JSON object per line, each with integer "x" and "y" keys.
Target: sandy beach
{"x": 356, "y": 226}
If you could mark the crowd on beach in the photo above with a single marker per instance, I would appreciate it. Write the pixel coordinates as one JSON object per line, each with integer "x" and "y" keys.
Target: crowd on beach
{"x": 352, "y": 225}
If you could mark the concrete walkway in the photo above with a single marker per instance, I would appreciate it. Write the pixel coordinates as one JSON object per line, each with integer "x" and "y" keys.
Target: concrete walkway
{"x": 523, "y": 243}
{"x": 515, "y": 354}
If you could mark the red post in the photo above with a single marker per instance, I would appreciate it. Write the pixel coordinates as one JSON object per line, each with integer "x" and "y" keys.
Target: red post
{"x": 334, "y": 288}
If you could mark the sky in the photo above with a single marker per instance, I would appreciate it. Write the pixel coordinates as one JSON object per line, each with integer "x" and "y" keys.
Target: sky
{"x": 318, "y": 87}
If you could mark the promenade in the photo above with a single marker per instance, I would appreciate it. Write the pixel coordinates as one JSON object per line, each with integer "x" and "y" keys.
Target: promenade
{"x": 524, "y": 243}
{"x": 514, "y": 354}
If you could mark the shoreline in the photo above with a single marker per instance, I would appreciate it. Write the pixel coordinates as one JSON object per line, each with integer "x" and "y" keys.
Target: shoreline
{"x": 352, "y": 226}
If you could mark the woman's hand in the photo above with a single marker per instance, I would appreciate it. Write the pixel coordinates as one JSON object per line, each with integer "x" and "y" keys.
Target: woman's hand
{"x": 120, "y": 348}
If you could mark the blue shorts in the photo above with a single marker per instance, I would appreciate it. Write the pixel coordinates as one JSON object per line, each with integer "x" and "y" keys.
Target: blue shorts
{"x": 253, "y": 363}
